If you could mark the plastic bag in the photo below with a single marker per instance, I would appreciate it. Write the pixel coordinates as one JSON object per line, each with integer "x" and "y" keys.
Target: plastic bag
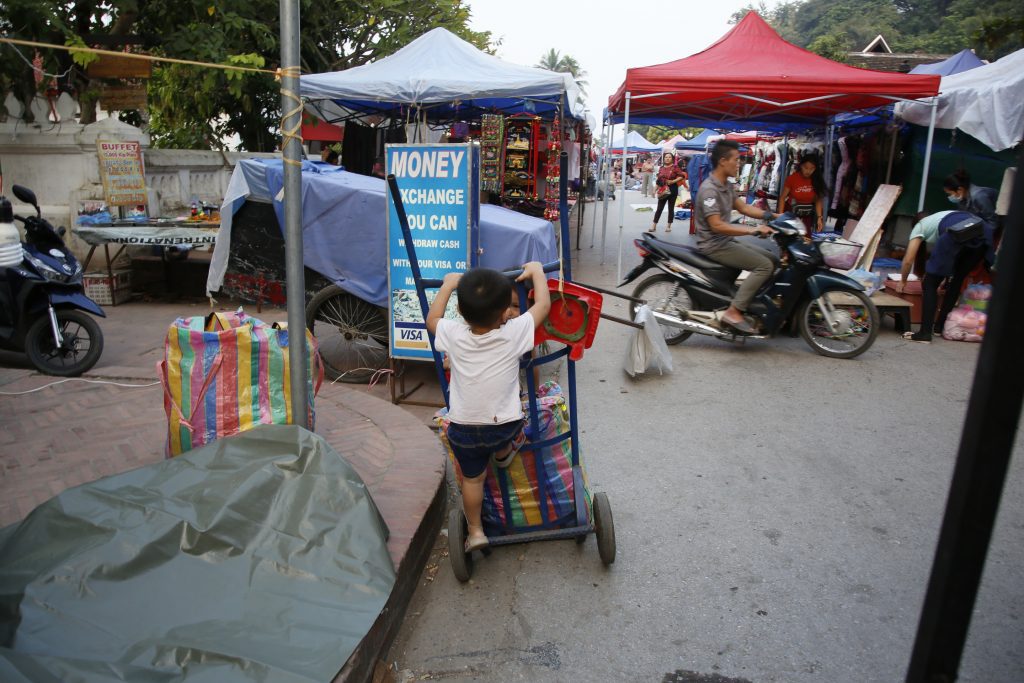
{"x": 964, "y": 324}
{"x": 976, "y": 296}
{"x": 647, "y": 350}
{"x": 872, "y": 281}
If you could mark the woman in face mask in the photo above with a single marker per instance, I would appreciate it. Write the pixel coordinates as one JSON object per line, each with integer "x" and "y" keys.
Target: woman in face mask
{"x": 981, "y": 201}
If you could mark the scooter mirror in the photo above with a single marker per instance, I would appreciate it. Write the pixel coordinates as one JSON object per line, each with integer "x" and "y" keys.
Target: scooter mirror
{"x": 62, "y": 231}
{"x": 25, "y": 195}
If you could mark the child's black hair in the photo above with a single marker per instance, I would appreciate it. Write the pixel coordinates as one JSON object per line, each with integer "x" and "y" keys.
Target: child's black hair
{"x": 484, "y": 295}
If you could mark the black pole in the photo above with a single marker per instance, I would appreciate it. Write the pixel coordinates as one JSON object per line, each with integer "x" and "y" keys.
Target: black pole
{"x": 414, "y": 264}
{"x": 985, "y": 448}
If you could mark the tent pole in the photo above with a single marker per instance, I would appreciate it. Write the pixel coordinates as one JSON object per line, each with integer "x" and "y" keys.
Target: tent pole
{"x": 622, "y": 199}
{"x": 927, "y": 155}
{"x": 606, "y": 161}
{"x": 597, "y": 183}
{"x": 830, "y": 131}
{"x": 895, "y": 132}
{"x": 291, "y": 147}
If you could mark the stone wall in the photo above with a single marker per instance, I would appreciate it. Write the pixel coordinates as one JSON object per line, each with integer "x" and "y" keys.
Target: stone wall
{"x": 58, "y": 161}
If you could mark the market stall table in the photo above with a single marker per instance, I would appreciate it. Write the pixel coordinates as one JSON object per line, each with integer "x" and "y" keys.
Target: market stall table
{"x": 148, "y": 234}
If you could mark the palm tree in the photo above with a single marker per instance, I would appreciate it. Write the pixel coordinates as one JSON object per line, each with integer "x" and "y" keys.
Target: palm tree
{"x": 552, "y": 60}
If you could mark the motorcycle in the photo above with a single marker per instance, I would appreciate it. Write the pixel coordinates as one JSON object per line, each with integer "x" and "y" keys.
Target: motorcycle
{"x": 42, "y": 300}
{"x": 831, "y": 311}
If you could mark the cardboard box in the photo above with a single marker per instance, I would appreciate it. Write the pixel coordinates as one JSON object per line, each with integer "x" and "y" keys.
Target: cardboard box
{"x": 108, "y": 291}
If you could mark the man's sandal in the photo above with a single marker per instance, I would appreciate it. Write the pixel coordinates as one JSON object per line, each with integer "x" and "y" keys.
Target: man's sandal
{"x": 917, "y": 337}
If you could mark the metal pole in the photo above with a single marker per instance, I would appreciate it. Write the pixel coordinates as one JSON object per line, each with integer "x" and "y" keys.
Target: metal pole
{"x": 622, "y": 199}
{"x": 928, "y": 155}
{"x": 895, "y": 132}
{"x": 606, "y": 160}
{"x": 291, "y": 148}
{"x": 597, "y": 183}
{"x": 830, "y": 134}
{"x": 563, "y": 211}
{"x": 986, "y": 445}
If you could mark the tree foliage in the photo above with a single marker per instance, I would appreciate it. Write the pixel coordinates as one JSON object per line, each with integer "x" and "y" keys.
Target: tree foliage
{"x": 196, "y": 107}
{"x": 553, "y": 60}
{"x": 992, "y": 28}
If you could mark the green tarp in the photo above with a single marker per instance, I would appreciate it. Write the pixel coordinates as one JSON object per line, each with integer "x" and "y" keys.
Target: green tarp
{"x": 256, "y": 558}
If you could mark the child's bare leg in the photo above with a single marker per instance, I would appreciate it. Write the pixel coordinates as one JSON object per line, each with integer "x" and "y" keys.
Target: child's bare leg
{"x": 472, "y": 501}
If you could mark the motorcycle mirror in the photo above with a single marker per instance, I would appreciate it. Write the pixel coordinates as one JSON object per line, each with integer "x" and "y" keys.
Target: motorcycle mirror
{"x": 25, "y": 195}
{"x": 62, "y": 231}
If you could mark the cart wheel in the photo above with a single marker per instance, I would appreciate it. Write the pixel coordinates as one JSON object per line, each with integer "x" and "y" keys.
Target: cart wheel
{"x": 462, "y": 562}
{"x": 605, "y": 528}
{"x": 352, "y": 334}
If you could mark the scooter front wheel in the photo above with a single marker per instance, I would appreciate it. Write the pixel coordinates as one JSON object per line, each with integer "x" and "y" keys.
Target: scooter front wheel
{"x": 855, "y": 324}
{"x": 83, "y": 344}
{"x": 664, "y": 294}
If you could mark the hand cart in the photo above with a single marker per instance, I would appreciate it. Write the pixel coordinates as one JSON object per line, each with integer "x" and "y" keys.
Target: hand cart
{"x": 587, "y": 513}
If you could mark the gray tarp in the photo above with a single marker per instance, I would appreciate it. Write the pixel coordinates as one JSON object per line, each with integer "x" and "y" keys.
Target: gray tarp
{"x": 258, "y": 557}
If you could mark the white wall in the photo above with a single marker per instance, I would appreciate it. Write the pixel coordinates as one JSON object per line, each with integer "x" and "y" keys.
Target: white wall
{"x": 58, "y": 161}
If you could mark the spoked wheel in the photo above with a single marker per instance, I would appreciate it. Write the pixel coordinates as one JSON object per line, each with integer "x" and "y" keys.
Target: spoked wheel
{"x": 462, "y": 562}
{"x": 604, "y": 527}
{"x": 855, "y": 320}
{"x": 353, "y": 334}
{"x": 82, "y": 346}
{"x": 664, "y": 294}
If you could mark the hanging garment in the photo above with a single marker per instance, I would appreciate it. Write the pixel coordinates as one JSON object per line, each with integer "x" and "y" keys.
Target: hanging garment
{"x": 844, "y": 167}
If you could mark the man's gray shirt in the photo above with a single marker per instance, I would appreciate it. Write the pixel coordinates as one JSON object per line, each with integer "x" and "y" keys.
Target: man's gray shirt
{"x": 713, "y": 197}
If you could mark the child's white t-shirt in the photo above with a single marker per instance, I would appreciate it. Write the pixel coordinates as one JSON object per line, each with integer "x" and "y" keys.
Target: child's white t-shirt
{"x": 484, "y": 388}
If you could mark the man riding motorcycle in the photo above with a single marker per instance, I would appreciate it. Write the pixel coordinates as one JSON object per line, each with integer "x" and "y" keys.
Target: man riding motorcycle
{"x": 713, "y": 208}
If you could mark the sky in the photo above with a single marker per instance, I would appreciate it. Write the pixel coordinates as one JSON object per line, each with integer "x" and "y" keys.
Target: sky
{"x": 606, "y": 37}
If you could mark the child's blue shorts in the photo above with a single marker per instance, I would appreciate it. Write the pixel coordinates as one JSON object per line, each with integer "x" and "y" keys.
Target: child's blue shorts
{"x": 473, "y": 445}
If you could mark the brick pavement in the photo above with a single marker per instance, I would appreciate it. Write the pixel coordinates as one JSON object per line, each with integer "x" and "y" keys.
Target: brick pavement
{"x": 76, "y": 432}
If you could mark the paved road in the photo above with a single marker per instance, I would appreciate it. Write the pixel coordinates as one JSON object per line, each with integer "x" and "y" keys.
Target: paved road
{"x": 776, "y": 514}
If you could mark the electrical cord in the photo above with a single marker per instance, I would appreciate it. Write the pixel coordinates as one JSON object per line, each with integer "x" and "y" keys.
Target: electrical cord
{"x": 76, "y": 379}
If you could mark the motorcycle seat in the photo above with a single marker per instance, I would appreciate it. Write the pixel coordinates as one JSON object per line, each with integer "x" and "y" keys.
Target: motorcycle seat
{"x": 692, "y": 257}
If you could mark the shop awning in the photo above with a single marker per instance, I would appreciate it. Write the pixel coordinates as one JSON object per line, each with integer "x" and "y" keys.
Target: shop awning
{"x": 752, "y": 75}
{"x": 444, "y": 77}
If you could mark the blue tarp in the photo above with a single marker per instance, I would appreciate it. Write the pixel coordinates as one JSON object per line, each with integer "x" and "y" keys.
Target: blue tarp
{"x": 344, "y": 227}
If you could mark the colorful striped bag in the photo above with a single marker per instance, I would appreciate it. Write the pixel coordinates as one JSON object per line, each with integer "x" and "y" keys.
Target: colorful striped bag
{"x": 226, "y": 373}
{"x": 511, "y": 495}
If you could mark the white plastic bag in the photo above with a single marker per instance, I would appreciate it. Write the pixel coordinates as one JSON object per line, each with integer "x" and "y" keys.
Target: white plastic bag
{"x": 647, "y": 349}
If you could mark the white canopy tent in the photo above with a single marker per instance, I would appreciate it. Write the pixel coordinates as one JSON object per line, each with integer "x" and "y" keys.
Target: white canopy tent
{"x": 985, "y": 102}
{"x": 635, "y": 144}
{"x": 439, "y": 77}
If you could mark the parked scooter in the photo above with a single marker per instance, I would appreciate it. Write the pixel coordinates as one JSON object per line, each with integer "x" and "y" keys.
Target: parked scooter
{"x": 42, "y": 298}
{"x": 690, "y": 294}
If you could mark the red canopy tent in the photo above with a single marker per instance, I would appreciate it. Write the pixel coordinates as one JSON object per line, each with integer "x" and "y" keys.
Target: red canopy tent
{"x": 752, "y": 75}
{"x": 753, "y": 79}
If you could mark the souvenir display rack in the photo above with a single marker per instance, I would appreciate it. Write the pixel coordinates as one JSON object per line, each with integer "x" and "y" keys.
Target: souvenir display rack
{"x": 522, "y": 142}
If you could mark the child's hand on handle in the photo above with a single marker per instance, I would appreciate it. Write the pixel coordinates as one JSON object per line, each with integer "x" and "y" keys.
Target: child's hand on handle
{"x": 437, "y": 308}
{"x": 451, "y": 280}
{"x": 541, "y": 297}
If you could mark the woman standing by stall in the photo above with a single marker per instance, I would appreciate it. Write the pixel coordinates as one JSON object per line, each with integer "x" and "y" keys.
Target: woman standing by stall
{"x": 981, "y": 201}
{"x": 804, "y": 195}
{"x": 670, "y": 177}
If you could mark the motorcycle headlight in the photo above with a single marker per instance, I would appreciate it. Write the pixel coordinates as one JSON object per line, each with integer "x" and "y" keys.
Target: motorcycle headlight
{"x": 45, "y": 270}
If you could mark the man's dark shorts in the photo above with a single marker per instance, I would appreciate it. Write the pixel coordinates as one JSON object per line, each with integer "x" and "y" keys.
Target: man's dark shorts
{"x": 473, "y": 445}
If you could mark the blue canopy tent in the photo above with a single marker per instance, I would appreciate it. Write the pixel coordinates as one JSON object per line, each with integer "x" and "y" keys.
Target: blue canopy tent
{"x": 698, "y": 143}
{"x": 965, "y": 60}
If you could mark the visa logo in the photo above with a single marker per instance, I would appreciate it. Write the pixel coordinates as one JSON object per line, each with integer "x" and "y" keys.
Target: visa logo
{"x": 411, "y": 335}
